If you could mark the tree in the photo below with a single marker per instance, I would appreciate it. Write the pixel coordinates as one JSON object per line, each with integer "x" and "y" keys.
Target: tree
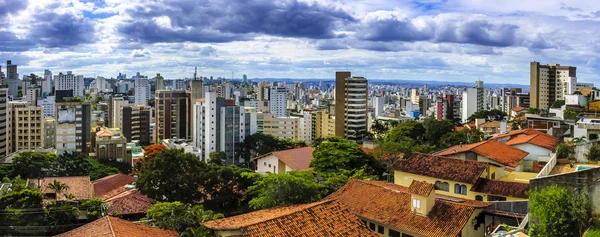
{"x": 98, "y": 169}
{"x": 557, "y": 104}
{"x": 21, "y": 196}
{"x": 488, "y": 115}
{"x": 283, "y": 189}
{"x": 216, "y": 158}
{"x": 533, "y": 110}
{"x": 411, "y": 129}
{"x": 518, "y": 124}
{"x": 227, "y": 187}
{"x": 153, "y": 150}
{"x": 564, "y": 150}
{"x": 465, "y": 136}
{"x": 593, "y": 154}
{"x": 73, "y": 164}
{"x": 556, "y": 211}
{"x": 34, "y": 164}
{"x": 435, "y": 129}
{"x": 178, "y": 216}
{"x": 378, "y": 127}
{"x": 571, "y": 114}
{"x": 338, "y": 153}
{"x": 173, "y": 175}
{"x": 58, "y": 187}
{"x": 259, "y": 144}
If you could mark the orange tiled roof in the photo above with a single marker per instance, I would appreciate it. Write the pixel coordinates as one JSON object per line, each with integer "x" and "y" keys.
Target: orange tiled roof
{"x": 390, "y": 204}
{"x": 513, "y": 133}
{"x": 325, "y": 218}
{"x": 491, "y": 149}
{"x": 420, "y": 188}
{"x": 367, "y": 150}
{"x": 114, "y": 227}
{"x": 541, "y": 139}
{"x": 79, "y": 186}
{"x": 104, "y": 133}
{"x": 518, "y": 109}
{"x": 297, "y": 159}
{"x": 501, "y": 188}
{"x": 111, "y": 185}
{"x": 464, "y": 171}
{"x": 129, "y": 202}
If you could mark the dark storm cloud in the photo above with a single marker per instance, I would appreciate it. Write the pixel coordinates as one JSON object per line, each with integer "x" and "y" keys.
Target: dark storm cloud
{"x": 393, "y": 30}
{"x": 11, "y": 7}
{"x": 225, "y": 21}
{"x": 61, "y": 30}
{"x": 10, "y": 43}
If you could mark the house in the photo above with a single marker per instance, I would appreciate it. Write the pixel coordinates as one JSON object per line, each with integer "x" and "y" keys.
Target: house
{"x": 540, "y": 146}
{"x": 517, "y": 111}
{"x": 109, "y": 226}
{"x": 492, "y": 127}
{"x": 491, "y": 151}
{"x": 79, "y": 186}
{"x": 460, "y": 178}
{"x": 278, "y": 162}
{"x": 325, "y": 218}
{"x": 121, "y": 196}
{"x": 504, "y": 137}
{"x": 415, "y": 210}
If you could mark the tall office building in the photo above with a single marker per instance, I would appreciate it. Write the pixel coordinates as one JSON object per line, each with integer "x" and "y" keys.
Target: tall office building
{"x": 262, "y": 91}
{"x": 4, "y": 122}
{"x": 47, "y": 83}
{"x": 115, "y": 111}
{"x": 70, "y": 82}
{"x": 378, "y": 102}
{"x": 49, "y": 132}
{"x": 73, "y": 128}
{"x": 473, "y": 100}
{"x": 135, "y": 124}
{"x": 25, "y": 126}
{"x": 278, "y": 101}
{"x": 173, "y": 115}
{"x": 160, "y": 82}
{"x": 142, "y": 90}
{"x": 351, "y": 98}
{"x": 12, "y": 79}
{"x": 550, "y": 82}
{"x": 219, "y": 125}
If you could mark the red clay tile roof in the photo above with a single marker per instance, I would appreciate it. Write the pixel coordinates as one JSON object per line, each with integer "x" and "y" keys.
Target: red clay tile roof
{"x": 325, "y": 218}
{"x": 464, "y": 171}
{"x": 420, "y": 188}
{"x": 501, "y": 188}
{"x": 297, "y": 159}
{"x": 114, "y": 227}
{"x": 79, "y": 186}
{"x": 541, "y": 139}
{"x": 518, "y": 109}
{"x": 491, "y": 149}
{"x": 109, "y": 186}
{"x": 389, "y": 204}
{"x": 514, "y": 133}
{"x": 129, "y": 202}
{"x": 367, "y": 150}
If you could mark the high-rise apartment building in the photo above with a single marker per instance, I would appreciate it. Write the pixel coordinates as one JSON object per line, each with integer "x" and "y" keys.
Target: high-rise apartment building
{"x": 115, "y": 113}
{"x": 12, "y": 79}
{"x": 323, "y": 125}
{"x": 73, "y": 128}
{"x": 47, "y": 83}
{"x": 160, "y": 82}
{"x": 219, "y": 126}
{"x": 142, "y": 89}
{"x": 378, "y": 103}
{"x": 473, "y": 100}
{"x": 351, "y": 98}
{"x": 4, "y": 122}
{"x": 550, "y": 82}
{"x": 49, "y": 132}
{"x": 173, "y": 115}
{"x": 278, "y": 101}
{"x": 25, "y": 126}
{"x": 70, "y": 82}
{"x": 135, "y": 124}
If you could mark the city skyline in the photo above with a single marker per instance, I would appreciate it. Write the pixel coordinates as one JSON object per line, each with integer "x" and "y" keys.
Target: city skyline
{"x": 408, "y": 40}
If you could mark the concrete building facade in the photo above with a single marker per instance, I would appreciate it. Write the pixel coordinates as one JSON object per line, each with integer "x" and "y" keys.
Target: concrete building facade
{"x": 173, "y": 115}
{"x": 550, "y": 82}
{"x": 25, "y": 126}
{"x": 73, "y": 128}
{"x": 351, "y": 98}
{"x": 70, "y": 82}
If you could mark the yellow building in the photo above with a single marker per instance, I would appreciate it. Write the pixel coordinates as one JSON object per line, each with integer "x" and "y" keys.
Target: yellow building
{"x": 324, "y": 124}
{"x": 25, "y": 126}
{"x": 111, "y": 145}
{"x": 416, "y": 210}
{"x": 280, "y": 127}
{"x": 467, "y": 179}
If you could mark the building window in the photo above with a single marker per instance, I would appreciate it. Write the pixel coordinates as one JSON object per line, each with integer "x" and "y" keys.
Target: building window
{"x": 406, "y": 235}
{"x": 265, "y": 163}
{"x": 416, "y": 203}
{"x": 380, "y": 229}
{"x": 372, "y": 226}
{"x": 394, "y": 233}
{"x": 442, "y": 186}
{"x": 460, "y": 189}
{"x": 479, "y": 198}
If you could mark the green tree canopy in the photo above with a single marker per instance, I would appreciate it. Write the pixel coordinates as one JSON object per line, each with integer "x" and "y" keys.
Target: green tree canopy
{"x": 179, "y": 217}
{"x": 465, "y": 136}
{"x": 338, "y": 153}
{"x": 259, "y": 144}
{"x": 488, "y": 115}
{"x": 281, "y": 189}
{"x": 435, "y": 129}
{"x": 173, "y": 175}
{"x": 216, "y": 158}
{"x": 34, "y": 164}
{"x": 557, "y": 104}
{"x": 226, "y": 187}
{"x": 558, "y": 212}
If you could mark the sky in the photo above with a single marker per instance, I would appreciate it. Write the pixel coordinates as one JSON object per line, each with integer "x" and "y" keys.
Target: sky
{"x": 462, "y": 40}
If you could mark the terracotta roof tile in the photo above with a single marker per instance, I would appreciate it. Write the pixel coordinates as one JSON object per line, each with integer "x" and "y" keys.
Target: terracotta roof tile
{"x": 79, "y": 186}
{"x": 420, "y": 188}
{"x": 514, "y": 133}
{"x": 111, "y": 185}
{"x": 115, "y": 227}
{"x": 491, "y": 149}
{"x": 518, "y": 109}
{"x": 501, "y": 188}
{"x": 297, "y": 159}
{"x": 464, "y": 171}
{"x": 541, "y": 139}
{"x": 129, "y": 202}
{"x": 325, "y": 218}
{"x": 385, "y": 204}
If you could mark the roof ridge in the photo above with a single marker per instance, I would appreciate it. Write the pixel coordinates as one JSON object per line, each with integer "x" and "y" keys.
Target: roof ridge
{"x": 112, "y": 231}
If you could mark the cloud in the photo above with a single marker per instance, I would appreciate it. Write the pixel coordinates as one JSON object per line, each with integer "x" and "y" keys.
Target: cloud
{"x": 11, "y": 7}
{"x": 235, "y": 20}
{"x": 140, "y": 53}
{"x": 10, "y": 43}
{"x": 52, "y": 30}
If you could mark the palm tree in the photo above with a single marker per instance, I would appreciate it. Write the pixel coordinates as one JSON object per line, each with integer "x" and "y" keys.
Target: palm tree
{"x": 593, "y": 154}
{"x": 69, "y": 196}
{"x": 201, "y": 217}
{"x": 58, "y": 187}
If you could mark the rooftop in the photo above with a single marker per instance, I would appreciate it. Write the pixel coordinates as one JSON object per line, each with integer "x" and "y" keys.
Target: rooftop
{"x": 389, "y": 204}
{"x": 501, "y": 188}
{"x": 464, "y": 171}
{"x": 111, "y": 185}
{"x": 541, "y": 139}
{"x": 491, "y": 149}
{"x": 129, "y": 202}
{"x": 114, "y": 227}
{"x": 420, "y": 188}
{"x": 79, "y": 186}
{"x": 297, "y": 159}
{"x": 325, "y": 218}
{"x": 527, "y": 131}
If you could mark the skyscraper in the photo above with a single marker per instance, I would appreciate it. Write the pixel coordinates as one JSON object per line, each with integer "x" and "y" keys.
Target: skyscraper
{"x": 550, "y": 82}
{"x": 70, "y": 82}
{"x": 3, "y": 122}
{"x": 25, "y": 127}
{"x": 351, "y": 98}
{"x": 472, "y": 100}
{"x": 12, "y": 79}
{"x": 142, "y": 90}
{"x": 47, "y": 83}
{"x": 278, "y": 101}
{"x": 173, "y": 115}
{"x": 160, "y": 82}
{"x": 73, "y": 126}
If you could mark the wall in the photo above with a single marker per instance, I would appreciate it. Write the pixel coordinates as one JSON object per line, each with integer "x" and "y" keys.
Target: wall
{"x": 469, "y": 229}
{"x": 270, "y": 160}
{"x": 534, "y": 151}
{"x": 576, "y": 180}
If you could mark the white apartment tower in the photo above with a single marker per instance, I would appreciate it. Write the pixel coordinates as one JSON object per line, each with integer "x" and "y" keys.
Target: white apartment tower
{"x": 278, "y": 101}
{"x": 472, "y": 100}
{"x": 142, "y": 89}
{"x": 47, "y": 83}
{"x": 70, "y": 82}
{"x": 12, "y": 79}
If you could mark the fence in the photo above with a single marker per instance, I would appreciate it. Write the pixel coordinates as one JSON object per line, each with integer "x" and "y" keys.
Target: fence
{"x": 548, "y": 167}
